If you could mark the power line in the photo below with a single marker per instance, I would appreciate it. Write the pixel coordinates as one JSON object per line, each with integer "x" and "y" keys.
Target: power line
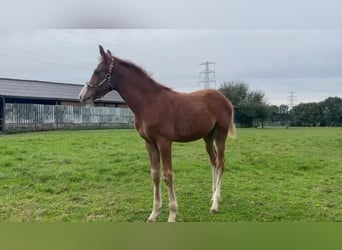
{"x": 208, "y": 75}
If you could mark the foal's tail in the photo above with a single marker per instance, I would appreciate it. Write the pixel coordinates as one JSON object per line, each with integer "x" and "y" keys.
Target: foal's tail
{"x": 231, "y": 127}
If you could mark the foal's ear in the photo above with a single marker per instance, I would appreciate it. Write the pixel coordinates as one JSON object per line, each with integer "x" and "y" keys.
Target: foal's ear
{"x": 109, "y": 53}
{"x": 103, "y": 54}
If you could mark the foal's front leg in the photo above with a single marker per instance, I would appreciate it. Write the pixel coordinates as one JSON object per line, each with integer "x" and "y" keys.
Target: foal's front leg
{"x": 154, "y": 155}
{"x": 164, "y": 147}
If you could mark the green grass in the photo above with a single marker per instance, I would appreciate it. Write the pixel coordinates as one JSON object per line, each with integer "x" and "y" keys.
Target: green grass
{"x": 103, "y": 175}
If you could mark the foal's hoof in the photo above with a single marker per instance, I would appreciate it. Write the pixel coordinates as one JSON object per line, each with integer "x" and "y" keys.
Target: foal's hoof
{"x": 151, "y": 220}
{"x": 213, "y": 211}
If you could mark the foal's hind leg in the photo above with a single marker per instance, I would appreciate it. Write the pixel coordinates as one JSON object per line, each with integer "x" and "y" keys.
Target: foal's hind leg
{"x": 155, "y": 173}
{"x": 220, "y": 140}
{"x": 209, "y": 146}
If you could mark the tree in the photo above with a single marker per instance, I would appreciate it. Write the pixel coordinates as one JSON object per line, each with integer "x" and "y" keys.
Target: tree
{"x": 235, "y": 91}
{"x": 284, "y": 117}
{"x": 250, "y": 105}
{"x": 283, "y": 109}
{"x": 279, "y": 115}
{"x": 305, "y": 114}
{"x": 325, "y": 113}
{"x": 331, "y": 111}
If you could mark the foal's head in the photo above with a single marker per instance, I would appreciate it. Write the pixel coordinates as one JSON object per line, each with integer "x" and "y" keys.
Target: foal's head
{"x": 101, "y": 81}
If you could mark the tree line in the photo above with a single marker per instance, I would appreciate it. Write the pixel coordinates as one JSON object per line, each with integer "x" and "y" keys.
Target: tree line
{"x": 252, "y": 110}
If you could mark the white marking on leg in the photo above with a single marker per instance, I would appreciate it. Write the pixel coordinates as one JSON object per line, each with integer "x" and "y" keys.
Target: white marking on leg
{"x": 217, "y": 193}
{"x": 213, "y": 172}
{"x": 157, "y": 201}
{"x": 157, "y": 205}
{"x": 173, "y": 206}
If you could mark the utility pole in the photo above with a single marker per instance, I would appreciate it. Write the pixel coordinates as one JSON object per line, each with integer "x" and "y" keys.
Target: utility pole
{"x": 207, "y": 74}
{"x": 291, "y": 99}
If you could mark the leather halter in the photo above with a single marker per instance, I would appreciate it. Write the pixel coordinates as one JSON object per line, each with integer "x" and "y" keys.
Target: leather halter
{"x": 107, "y": 78}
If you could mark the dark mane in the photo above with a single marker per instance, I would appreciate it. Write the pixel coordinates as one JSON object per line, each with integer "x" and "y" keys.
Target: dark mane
{"x": 142, "y": 72}
{"x": 134, "y": 67}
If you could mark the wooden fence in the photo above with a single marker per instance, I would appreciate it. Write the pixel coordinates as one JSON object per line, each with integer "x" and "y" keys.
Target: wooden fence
{"x": 28, "y": 117}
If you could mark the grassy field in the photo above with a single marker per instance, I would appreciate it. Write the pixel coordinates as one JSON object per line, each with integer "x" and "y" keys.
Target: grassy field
{"x": 103, "y": 175}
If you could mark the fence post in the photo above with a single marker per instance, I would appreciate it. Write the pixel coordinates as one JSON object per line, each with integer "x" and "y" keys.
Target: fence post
{"x": 55, "y": 113}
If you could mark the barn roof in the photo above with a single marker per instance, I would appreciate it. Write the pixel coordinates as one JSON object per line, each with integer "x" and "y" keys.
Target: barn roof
{"x": 47, "y": 90}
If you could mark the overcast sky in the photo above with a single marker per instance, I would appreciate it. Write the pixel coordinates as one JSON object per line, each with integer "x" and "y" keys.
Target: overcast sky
{"x": 276, "y": 61}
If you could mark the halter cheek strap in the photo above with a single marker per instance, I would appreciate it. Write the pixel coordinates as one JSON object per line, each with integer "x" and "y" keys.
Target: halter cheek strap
{"x": 109, "y": 75}
{"x": 111, "y": 66}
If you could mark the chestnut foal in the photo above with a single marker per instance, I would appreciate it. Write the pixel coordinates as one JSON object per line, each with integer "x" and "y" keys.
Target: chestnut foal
{"x": 163, "y": 116}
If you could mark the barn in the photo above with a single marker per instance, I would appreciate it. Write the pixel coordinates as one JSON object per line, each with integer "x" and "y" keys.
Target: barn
{"x": 52, "y": 93}
{"x": 36, "y": 94}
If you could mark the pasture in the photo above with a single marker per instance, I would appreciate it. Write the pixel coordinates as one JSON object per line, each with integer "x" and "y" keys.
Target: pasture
{"x": 103, "y": 175}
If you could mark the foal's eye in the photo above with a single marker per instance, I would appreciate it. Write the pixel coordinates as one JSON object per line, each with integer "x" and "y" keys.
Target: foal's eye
{"x": 96, "y": 72}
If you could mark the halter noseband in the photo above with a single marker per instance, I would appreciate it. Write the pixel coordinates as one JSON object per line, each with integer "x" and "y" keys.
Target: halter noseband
{"x": 107, "y": 78}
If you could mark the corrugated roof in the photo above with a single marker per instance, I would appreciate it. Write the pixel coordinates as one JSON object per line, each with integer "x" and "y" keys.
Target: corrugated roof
{"x": 47, "y": 90}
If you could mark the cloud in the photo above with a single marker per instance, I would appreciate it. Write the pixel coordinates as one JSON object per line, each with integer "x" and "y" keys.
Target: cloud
{"x": 307, "y": 61}
{"x": 172, "y": 14}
